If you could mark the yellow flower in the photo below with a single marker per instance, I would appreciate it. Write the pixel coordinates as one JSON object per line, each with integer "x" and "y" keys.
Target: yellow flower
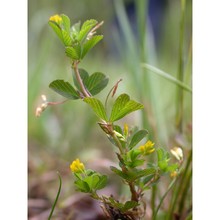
{"x": 148, "y": 148}
{"x": 177, "y": 153}
{"x": 76, "y": 166}
{"x": 125, "y": 130}
{"x": 56, "y": 18}
{"x": 173, "y": 174}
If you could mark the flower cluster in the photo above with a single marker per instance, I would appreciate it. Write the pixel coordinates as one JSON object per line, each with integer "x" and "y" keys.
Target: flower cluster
{"x": 147, "y": 148}
{"x": 77, "y": 167}
{"x": 56, "y": 18}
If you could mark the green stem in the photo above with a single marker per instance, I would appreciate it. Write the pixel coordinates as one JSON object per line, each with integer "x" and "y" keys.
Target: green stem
{"x": 118, "y": 143}
{"x": 180, "y": 77}
{"x": 55, "y": 202}
{"x": 114, "y": 88}
{"x": 153, "y": 198}
{"x": 162, "y": 199}
{"x": 184, "y": 193}
{"x": 180, "y": 186}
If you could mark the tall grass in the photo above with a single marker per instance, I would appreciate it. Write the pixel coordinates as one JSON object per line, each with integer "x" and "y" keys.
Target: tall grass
{"x": 144, "y": 75}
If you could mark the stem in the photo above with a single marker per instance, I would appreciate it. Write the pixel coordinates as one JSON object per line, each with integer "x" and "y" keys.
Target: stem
{"x": 134, "y": 194}
{"x": 177, "y": 193}
{"x": 162, "y": 199}
{"x": 184, "y": 193}
{"x": 114, "y": 88}
{"x": 95, "y": 28}
{"x": 179, "y": 94}
{"x": 118, "y": 143}
{"x": 78, "y": 77}
{"x": 58, "y": 193}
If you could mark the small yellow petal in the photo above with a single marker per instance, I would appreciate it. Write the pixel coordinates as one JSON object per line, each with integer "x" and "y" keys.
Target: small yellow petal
{"x": 147, "y": 148}
{"x": 56, "y": 18}
{"x": 173, "y": 174}
{"x": 125, "y": 129}
{"x": 76, "y": 166}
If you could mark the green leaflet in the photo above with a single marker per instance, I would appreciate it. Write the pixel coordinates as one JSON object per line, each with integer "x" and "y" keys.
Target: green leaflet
{"x": 65, "y": 22}
{"x": 66, "y": 38}
{"x": 56, "y": 29}
{"x": 123, "y": 106}
{"x": 129, "y": 205}
{"x": 73, "y": 52}
{"x": 86, "y": 27}
{"x": 163, "y": 157}
{"x": 137, "y": 137}
{"x": 90, "y": 44}
{"x": 64, "y": 89}
{"x": 97, "y": 107}
{"x": 94, "y": 83}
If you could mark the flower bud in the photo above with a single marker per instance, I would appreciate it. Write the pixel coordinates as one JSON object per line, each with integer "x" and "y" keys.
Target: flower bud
{"x": 177, "y": 153}
{"x": 56, "y": 18}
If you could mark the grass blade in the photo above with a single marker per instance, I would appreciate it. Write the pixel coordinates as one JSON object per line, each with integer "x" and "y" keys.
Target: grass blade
{"x": 162, "y": 199}
{"x": 58, "y": 193}
{"x": 167, "y": 76}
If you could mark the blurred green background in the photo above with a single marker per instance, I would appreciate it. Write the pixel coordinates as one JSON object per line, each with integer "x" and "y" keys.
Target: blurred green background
{"x": 134, "y": 32}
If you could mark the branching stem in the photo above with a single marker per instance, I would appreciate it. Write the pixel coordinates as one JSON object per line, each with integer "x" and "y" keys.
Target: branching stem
{"x": 78, "y": 78}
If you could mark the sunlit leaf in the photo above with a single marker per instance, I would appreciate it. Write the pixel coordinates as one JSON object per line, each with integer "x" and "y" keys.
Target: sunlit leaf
{"x": 66, "y": 22}
{"x": 86, "y": 27}
{"x": 123, "y": 106}
{"x": 90, "y": 44}
{"x": 73, "y": 52}
{"x": 66, "y": 38}
{"x": 97, "y": 107}
{"x": 56, "y": 29}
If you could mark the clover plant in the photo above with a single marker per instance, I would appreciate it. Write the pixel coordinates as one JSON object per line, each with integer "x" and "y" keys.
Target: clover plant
{"x": 133, "y": 167}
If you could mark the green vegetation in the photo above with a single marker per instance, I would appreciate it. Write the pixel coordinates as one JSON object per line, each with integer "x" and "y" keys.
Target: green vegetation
{"x": 166, "y": 124}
